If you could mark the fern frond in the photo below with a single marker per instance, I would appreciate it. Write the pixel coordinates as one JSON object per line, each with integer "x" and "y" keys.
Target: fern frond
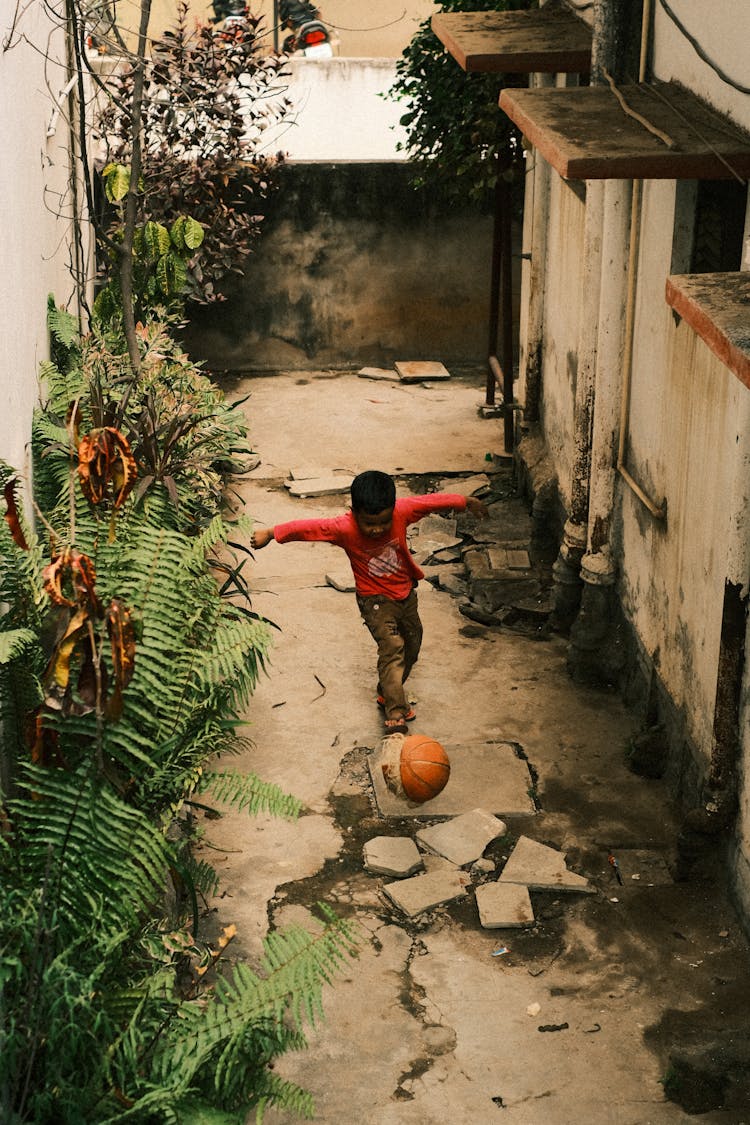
{"x": 15, "y": 643}
{"x": 297, "y": 965}
{"x": 246, "y": 791}
{"x": 100, "y": 849}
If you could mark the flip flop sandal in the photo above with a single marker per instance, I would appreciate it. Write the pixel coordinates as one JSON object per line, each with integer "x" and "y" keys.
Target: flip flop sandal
{"x": 395, "y": 726}
{"x": 410, "y": 715}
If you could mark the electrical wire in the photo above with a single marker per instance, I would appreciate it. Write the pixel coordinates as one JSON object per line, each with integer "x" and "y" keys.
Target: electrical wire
{"x": 700, "y": 51}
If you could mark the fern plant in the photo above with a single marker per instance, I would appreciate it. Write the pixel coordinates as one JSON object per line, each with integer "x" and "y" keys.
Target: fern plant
{"x": 123, "y": 674}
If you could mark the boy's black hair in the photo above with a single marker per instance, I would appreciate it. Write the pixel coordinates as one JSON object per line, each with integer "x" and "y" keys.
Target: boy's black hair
{"x": 372, "y": 492}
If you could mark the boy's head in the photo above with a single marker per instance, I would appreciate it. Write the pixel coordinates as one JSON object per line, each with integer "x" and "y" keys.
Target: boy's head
{"x": 373, "y": 498}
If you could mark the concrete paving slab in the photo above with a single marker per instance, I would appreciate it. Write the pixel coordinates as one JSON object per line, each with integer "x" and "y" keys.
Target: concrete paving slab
{"x": 310, "y": 472}
{"x": 438, "y": 529}
{"x": 465, "y": 486}
{"x": 423, "y": 892}
{"x": 504, "y": 905}
{"x": 464, "y": 838}
{"x": 416, "y": 371}
{"x": 541, "y": 868}
{"x": 342, "y": 580}
{"x": 485, "y": 775}
{"x": 379, "y": 374}
{"x": 505, "y": 558}
{"x": 396, "y": 856}
{"x": 319, "y": 486}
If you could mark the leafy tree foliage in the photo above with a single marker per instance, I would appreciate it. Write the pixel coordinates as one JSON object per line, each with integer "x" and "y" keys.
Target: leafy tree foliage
{"x": 209, "y": 95}
{"x": 458, "y": 136}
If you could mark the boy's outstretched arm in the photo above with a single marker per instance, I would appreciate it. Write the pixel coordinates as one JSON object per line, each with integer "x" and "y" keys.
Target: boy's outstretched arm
{"x": 477, "y": 507}
{"x": 261, "y": 537}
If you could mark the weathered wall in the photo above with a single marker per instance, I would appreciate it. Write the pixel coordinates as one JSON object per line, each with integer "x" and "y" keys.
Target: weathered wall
{"x": 687, "y": 437}
{"x": 354, "y": 268}
{"x": 563, "y": 292}
{"x": 33, "y": 189}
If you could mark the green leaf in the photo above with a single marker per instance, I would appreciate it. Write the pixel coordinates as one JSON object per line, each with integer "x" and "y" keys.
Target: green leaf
{"x": 193, "y": 234}
{"x": 116, "y": 182}
{"x": 156, "y": 239}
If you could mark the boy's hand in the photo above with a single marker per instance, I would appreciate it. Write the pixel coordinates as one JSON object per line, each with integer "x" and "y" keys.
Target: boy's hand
{"x": 476, "y": 507}
{"x": 261, "y": 537}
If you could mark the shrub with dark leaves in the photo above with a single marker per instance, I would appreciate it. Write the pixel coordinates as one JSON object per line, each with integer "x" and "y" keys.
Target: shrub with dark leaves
{"x": 211, "y": 93}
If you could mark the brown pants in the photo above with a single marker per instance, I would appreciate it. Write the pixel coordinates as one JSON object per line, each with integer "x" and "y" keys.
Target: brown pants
{"x": 397, "y": 631}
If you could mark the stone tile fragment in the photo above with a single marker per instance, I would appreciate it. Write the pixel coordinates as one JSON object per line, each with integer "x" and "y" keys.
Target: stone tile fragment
{"x": 541, "y": 868}
{"x": 397, "y": 856}
{"x": 319, "y": 486}
{"x": 423, "y": 892}
{"x": 416, "y": 371}
{"x": 503, "y": 906}
{"x": 463, "y": 838}
{"x": 465, "y": 486}
{"x": 378, "y": 374}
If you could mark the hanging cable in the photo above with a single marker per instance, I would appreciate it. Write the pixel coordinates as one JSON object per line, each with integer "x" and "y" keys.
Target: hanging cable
{"x": 700, "y": 52}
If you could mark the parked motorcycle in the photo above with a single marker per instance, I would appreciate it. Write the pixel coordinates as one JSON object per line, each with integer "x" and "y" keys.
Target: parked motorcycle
{"x": 308, "y": 36}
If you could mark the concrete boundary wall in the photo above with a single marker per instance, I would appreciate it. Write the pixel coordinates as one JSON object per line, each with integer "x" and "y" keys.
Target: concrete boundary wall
{"x": 354, "y": 267}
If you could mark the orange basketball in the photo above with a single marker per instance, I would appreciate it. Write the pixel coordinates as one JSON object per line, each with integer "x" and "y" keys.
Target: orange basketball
{"x": 425, "y": 767}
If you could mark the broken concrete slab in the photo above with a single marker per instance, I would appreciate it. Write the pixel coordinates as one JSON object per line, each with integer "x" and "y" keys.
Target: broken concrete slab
{"x": 482, "y": 867}
{"x": 342, "y": 580}
{"x": 541, "y": 868}
{"x": 416, "y": 371}
{"x": 508, "y": 558}
{"x": 379, "y": 374}
{"x": 451, "y": 581}
{"x": 465, "y": 486}
{"x": 423, "y": 892}
{"x": 503, "y": 906}
{"x": 438, "y": 529}
{"x": 464, "y": 838}
{"x": 397, "y": 856}
{"x": 310, "y": 472}
{"x": 319, "y": 486}
{"x": 486, "y": 775}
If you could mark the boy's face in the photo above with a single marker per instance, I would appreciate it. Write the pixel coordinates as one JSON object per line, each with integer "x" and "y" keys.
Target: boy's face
{"x": 374, "y": 525}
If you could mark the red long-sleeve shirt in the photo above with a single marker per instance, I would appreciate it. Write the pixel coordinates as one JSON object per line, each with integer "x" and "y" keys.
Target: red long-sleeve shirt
{"x": 383, "y": 565}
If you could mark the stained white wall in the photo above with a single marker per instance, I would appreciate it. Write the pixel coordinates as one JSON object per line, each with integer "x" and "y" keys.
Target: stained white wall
{"x": 562, "y": 311}
{"x": 723, "y": 32}
{"x": 35, "y": 201}
{"x": 340, "y": 112}
{"x": 688, "y": 424}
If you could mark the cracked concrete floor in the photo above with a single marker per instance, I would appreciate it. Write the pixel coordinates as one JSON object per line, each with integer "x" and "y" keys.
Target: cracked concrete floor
{"x": 428, "y": 1025}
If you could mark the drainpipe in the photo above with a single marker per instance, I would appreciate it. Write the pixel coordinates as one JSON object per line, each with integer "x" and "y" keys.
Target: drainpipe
{"x": 566, "y": 571}
{"x": 531, "y": 373}
{"x": 591, "y": 655}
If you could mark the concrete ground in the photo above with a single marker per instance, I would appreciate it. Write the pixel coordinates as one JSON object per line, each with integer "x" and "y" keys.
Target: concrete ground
{"x": 641, "y": 988}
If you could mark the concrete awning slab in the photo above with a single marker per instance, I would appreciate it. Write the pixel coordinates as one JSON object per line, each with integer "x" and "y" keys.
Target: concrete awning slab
{"x": 486, "y": 775}
{"x": 715, "y": 305}
{"x": 586, "y": 134}
{"x": 552, "y": 41}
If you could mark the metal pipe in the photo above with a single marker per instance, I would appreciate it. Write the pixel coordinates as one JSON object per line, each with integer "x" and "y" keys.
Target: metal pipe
{"x": 659, "y": 511}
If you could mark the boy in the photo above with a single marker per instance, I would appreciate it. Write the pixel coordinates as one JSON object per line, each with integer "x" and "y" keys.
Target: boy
{"x": 373, "y": 534}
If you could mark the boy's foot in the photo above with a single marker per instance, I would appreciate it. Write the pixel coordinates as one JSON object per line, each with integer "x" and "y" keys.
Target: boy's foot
{"x": 395, "y": 726}
{"x": 410, "y": 714}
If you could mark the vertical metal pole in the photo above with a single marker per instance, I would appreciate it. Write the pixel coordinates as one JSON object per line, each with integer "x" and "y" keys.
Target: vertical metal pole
{"x": 506, "y": 312}
{"x": 495, "y": 288}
